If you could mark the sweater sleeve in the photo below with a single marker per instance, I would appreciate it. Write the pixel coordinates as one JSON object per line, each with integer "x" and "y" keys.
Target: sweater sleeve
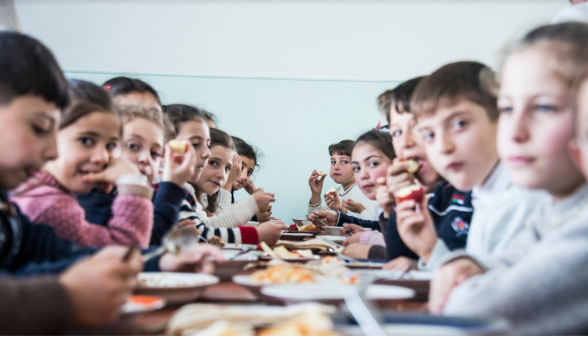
{"x": 35, "y": 306}
{"x": 377, "y": 252}
{"x": 237, "y": 214}
{"x": 131, "y": 223}
{"x": 224, "y": 201}
{"x": 166, "y": 210}
{"x": 343, "y": 218}
{"x": 394, "y": 243}
{"x": 372, "y": 238}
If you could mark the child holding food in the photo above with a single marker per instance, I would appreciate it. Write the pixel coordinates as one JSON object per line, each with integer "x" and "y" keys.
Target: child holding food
{"x": 537, "y": 282}
{"x": 347, "y": 198}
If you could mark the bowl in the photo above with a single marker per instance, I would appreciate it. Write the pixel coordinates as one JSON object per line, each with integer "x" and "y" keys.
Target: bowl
{"x": 332, "y": 231}
{"x": 225, "y": 271}
{"x": 175, "y": 287}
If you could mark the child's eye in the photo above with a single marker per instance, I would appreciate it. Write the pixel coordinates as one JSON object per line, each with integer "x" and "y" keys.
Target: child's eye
{"x": 355, "y": 169}
{"x": 459, "y": 124}
{"x": 86, "y": 141}
{"x": 249, "y": 173}
{"x": 212, "y": 163}
{"x": 133, "y": 146}
{"x": 396, "y": 133}
{"x": 155, "y": 155}
{"x": 374, "y": 164}
{"x": 40, "y": 130}
{"x": 505, "y": 110}
{"x": 195, "y": 145}
{"x": 110, "y": 146}
{"x": 545, "y": 108}
{"x": 344, "y": 162}
{"x": 333, "y": 162}
{"x": 227, "y": 169}
{"x": 428, "y": 136}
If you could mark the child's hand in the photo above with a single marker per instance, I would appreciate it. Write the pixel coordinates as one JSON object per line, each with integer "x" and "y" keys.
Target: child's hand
{"x": 99, "y": 285}
{"x": 416, "y": 228}
{"x": 263, "y": 199}
{"x": 352, "y": 228}
{"x": 234, "y": 173}
{"x": 186, "y": 223}
{"x": 316, "y": 183}
{"x": 353, "y": 206}
{"x": 446, "y": 278}
{"x": 357, "y": 250}
{"x": 334, "y": 203}
{"x": 353, "y": 239}
{"x": 327, "y": 216}
{"x": 401, "y": 263}
{"x": 194, "y": 260}
{"x": 250, "y": 187}
{"x": 265, "y": 216}
{"x": 117, "y": 167}
{"x": 384, "y": 197}
{"x": 270, "y": 232}
{"x": 177, "y": 168}
{"x": 397, "y": 177}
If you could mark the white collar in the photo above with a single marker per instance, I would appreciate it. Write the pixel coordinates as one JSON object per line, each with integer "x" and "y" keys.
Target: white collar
{"x": 495, "y": 185}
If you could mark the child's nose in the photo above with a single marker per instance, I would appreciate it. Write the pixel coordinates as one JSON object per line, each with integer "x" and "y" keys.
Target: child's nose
{"x": 100, "y": 155}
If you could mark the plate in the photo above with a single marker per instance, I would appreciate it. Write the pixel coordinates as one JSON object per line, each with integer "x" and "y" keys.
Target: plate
{"x": 232, "y": 246}
{"x": 333, "y": 292}
{"x": 291, "y": 236}
{"x": 226, "y": 270}
{"x": 140, "y": 303}
{"x": 266, "y": 257}
{"x": 335, "y": 239}
{"x": 174, "y": 287}
{"x": 289, "y": 231}
{"x": 419, "y": 281}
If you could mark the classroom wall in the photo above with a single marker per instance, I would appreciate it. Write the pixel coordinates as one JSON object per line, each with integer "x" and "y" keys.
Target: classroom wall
{"x": 290, "y": 77}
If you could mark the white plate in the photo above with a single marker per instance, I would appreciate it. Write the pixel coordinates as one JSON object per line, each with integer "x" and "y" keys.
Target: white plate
{"x": 175, "y": 287}
{"x": 266, "y": 257}
{"x": 232, "y": 246}
{"x": 335, "y": 239}
{"x": 330, "y": 292}
{"x": 396, "y": 275}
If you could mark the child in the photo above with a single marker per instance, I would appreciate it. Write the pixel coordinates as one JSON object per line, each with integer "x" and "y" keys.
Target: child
{"x": 538, "y": 283}
{"x": 89, "y": 293}
{"x": 189, "y": 124}
{"x": 89, "y": 132}
{"x": 143, "y": 138}
{"x": 457, "y": 119}
{"x": 132, "y": 92}
{"x": 341, "y": 173}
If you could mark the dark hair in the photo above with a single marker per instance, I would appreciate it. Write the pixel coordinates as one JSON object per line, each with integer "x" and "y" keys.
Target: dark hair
{"x": 208, "y": 116}
{"x": 466, "y": 80}
{"x": 180, "y": 113}
{"x": 123, "y": 85}
{"x": 87, "y": 98}
{"x": 130, "y": 113}
{"x": 27, "y": 67}
{"x": 379, "y": 140}
{"x": 218, "y": 138}
{"x": 401, "y": 95}
{"x": 244, "y": 149}
{"x": 343, "y": 148}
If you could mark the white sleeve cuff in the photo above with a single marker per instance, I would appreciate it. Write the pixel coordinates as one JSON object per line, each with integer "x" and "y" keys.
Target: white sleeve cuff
{"x": 133, "y": 179}
{"x": 439, "y": 251}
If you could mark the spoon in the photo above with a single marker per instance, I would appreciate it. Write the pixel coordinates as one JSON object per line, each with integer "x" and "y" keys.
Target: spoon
{"x": 176, "y": 241}
{"x": 243, "y": 251}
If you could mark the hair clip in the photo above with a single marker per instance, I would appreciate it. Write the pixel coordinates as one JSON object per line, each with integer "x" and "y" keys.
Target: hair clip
{"x": 107, "y": 87}
{"x": 378, "y": 126}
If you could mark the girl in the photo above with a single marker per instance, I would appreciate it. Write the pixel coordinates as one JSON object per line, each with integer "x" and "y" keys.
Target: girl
{"x": 89, "y": 132}
{"x": 341, "y": 173}
{"x": 537, "y": 282}
{"x": 189, "y": 124}
{"x": 132, "y": 92}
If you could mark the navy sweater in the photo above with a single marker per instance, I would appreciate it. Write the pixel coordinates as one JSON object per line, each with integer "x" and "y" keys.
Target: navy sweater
{"x": 450, "y": 209}
{"x": 167, "y": 200}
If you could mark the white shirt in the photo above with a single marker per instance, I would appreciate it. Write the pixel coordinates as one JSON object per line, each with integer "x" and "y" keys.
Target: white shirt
{"x": 577, "y": 12}
{"x": 356, "y": 195}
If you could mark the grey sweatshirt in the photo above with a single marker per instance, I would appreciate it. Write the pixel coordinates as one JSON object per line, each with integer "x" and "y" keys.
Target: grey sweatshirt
{"x": 539, "y": 283}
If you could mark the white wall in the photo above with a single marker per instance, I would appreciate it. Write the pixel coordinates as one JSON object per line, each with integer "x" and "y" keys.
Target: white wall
{"x": 289, "y": 77}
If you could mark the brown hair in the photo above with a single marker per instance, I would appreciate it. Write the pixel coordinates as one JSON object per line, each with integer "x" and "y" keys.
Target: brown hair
{"x": 130, "y": 113}
{"x": 466, "y": 80}
{"x": 180, "y": 113}
{"x": 379, "y": 140}
{"x": 343, "y": 148}
{"x": 87, "y": 98}
{"x": 399, "y": 96}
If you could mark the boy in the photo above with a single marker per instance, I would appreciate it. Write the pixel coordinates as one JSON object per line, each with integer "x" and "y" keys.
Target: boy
{"x": 539, "y": 282}
{"x": 341, "y": 173}
{"x": 457, "y": 118}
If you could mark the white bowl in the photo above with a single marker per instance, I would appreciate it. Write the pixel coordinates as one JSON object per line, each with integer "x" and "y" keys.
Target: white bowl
{"x": 329, "y": 292}
{"x": 332, "y": 231}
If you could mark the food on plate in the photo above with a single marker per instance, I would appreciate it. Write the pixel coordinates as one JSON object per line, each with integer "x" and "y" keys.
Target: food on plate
{"x": 305, "y": 324}
{"x": 282, "y": 252}
{"x": 268, "y": 250}
{"x": 331, "y": 191}
{"x": 320, "y": 173}
{"x": 308, "y": 227}
{"x": 216, "y": 241}
{"x": 413, "y": 166}
{"x": 283, "y": 273}
{"x": 178, "y": 146}
{"x": 164, "y": 280}
{"x": 412, "y": 192}
{"x": 304, "y": 253}
{"x": 314, "y": 243}
{"x": 293, "y": 227}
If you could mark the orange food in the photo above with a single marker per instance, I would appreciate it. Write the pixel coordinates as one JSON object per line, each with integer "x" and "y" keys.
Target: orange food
{"x": 308, "y": 227}
{"x": 145, "y": 300}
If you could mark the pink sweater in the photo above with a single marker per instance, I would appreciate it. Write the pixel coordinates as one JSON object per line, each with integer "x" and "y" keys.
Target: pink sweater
{"x": 45, "y": 200}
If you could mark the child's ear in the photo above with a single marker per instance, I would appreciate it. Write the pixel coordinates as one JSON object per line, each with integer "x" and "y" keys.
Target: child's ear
{"x": 576, "y": 154}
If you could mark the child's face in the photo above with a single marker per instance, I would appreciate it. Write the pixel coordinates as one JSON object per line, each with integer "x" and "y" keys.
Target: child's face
{"x": 408, "y": 145}
{"x": 216, "y": 173}
{"x": 535, "y": 124}
{"x": 143, "y": 145}
{"x": 198, "y": 134}
{"x": 247, "y": 166}
{"x": 579, "y": 148}
{"x": 368, "y": 164}
{"x": 145, "y": 100}
{"x": 29, "y": 129}
{"x": 460, "y": 142}
{"x": 341, "y": 171}
{"x": 85, "y": 147}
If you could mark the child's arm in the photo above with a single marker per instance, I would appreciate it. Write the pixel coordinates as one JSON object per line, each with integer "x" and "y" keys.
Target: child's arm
{"x": 416, "y": 227}
{"x": 166, "y": 210}
{"x": 316, "y": 187}
{"x": 240, "y": 213}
